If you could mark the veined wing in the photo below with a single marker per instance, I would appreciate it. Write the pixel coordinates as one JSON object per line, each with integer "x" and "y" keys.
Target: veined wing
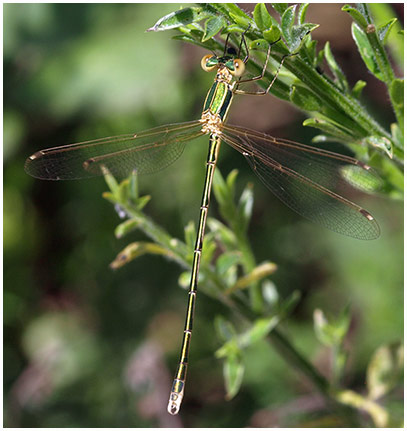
{"x": 145, "y": 152}
{"x": 309, "y": 180}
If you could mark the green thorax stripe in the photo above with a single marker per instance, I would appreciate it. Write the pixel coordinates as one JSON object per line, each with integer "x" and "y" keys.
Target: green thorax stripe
{"x": 218, "y": 99}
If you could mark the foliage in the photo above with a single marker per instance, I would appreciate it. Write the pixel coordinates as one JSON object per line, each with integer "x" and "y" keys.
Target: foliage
{"x": 234, "y": 279}
{"x": 84, "y": 345}
{"x": 333, "y": 105}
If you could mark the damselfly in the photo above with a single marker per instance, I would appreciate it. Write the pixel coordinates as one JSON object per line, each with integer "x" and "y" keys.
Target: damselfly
{"x": 307, "y": 179}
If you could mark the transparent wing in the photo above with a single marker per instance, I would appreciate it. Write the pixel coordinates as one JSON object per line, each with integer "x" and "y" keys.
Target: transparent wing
{"x": 145, "y": 152}
{"x": 309, "y": 180}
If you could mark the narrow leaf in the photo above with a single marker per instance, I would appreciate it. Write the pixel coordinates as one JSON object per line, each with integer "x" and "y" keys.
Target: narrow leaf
{"x": 384, "y": 30}
{"x": 190, "y": 235}
{"x": 302, "y": 10}
{"x": 287, "y": 21}
{"x": 385, "y": 370}
{"x": 261, "y": 271}
{"x": 180, "y": 18}
{"x": 233, "y": 371}
{"x": 366, "y": 51}
{"x": 245, "y": 206}
{"x": 356, "y": 15}
{"x": 136, "y": 249}
{"x": 298, "y": 34}
{"x": 226, "y": 261}
{"x": 224, "y": 328}
{"x": 335, "y": 69}
{"x": 262, "y": 17}
{"x": 184, "y": 279}
{"x": 397, "y": 92}
{"x": 258, "y": 331}
{"x": 126, "y": 227}
{"x": 272, "y": 35}
{"x": 213, "y": 26}
{"x": 357, "y": 89}
{"x": 280, "y": 8}
{"x": 329, "y": 127}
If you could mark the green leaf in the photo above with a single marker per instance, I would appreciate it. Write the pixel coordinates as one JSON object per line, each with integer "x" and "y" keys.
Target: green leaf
{"x": 272, "y": 35}
{"x": 245, "y": 207}
{"x": 137, "y": 249}
{"x": 298, "y": 34}
{"x": 262, "y": 17}
{"x": 259, "y": 272}
{"x": 321, "y": 328}
{"x": 356, "y": 15}
{"x": 335, "y": 69}
{"x": 331, "y": 333}
{"x": 379, "y": 415}
{"x": 385, "y": 370}
{"x": 308, "y": 52}
{"x": 270, "y": 293}
{"x": 210, "y": 246}
{"x": 233, "y": 371}
{"x": 366, "y": 51}
{"x": 258, "y": 331}
{"x": 330, "y": 128}
{"x": 181, "y": 17}
{"x": 397, "y": 92}
{"x": 184, "y": 279}
{"x": 384, "y": 30}
{"x": 302, "y": 12}
{"x": 213, "y": 26}
{"x": 224, "y": 328}
{"x": 397, "y": 135}
{"x": 357, "y": 89}
{"x": 209, "y": 44}
{"x": 232, "y": 10}
{"x": 305, "y": 99}
{"x": 190, "y": 235}
{"x": 384, "y": 12}
{"x": 294, "y": 34}
{"x": 280, "y": 8}
{"x": 227, "y": 261}
{"x": 231, "y": 181}
{"x": 222, "y": 233}
{"x": 242, "y": 20}
{"x": 110, "y": 181}
{"x": 287, "y": 22}
{"x": 126, "y": 227}
{"x": 224, "y": 192}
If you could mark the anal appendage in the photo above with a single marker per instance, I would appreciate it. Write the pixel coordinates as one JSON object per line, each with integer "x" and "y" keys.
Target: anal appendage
{"x": 176, "y": 395}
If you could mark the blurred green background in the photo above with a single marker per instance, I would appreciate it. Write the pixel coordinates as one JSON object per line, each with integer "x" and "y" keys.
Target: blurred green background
{"x": 88, "y": 347}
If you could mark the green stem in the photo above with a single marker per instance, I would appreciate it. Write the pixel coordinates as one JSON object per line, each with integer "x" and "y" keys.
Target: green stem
{"x": 382, "y": 61}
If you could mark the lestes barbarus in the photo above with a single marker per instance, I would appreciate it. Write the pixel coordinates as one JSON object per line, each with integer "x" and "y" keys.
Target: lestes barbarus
{"x": 307, "y": 179}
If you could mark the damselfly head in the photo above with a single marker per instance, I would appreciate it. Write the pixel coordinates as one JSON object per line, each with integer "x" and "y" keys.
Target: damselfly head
{"x": 234, "y": 65}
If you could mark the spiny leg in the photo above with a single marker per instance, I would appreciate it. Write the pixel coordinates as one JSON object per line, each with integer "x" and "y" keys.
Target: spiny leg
{"x": 261, "y": 76}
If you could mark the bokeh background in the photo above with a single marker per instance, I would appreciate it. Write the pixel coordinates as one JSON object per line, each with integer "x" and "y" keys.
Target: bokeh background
{"x": 85, "y": 346}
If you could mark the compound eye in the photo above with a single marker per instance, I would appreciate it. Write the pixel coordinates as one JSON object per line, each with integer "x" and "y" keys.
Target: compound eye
{"x": 206, "y": 65}
{"x": 238, "y": 66}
